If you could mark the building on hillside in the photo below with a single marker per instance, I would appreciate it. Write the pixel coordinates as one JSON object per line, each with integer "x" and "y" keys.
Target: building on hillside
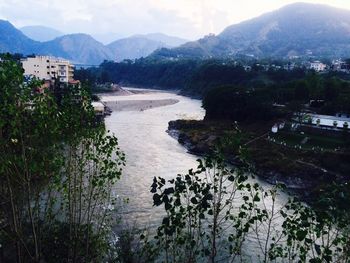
{"x": 340, "y": 65}
{"x": 290, "y": 66}
{"x": 318, "y": 66}
{"x": 48, "y": 68}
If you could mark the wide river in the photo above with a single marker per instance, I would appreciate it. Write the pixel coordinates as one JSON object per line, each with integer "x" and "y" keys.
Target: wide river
{"x": 150, "y": 151}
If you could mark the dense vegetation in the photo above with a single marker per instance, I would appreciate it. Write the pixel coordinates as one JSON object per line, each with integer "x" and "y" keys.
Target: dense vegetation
{"x": 238, "y": 104}
{"x": 328, "y": 95}
{"x": 193, "y": 77}
{"x": 56, "y": 173}
{"x": 145, "y": 73}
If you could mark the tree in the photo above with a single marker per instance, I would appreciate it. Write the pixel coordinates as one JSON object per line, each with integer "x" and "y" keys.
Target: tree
{"x": 201, "y": 207}
{"x": 238, "y": 104}
{"x": 58, "y": 166}
{"x": 212, "y": 212}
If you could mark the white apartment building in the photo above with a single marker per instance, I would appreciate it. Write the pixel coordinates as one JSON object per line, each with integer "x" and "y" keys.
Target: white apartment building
{"x": 48, "y": 68}
{"x": 318, "y": 66}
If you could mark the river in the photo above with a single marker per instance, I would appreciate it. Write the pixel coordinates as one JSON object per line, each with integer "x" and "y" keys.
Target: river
{"x": 150, "y": 151}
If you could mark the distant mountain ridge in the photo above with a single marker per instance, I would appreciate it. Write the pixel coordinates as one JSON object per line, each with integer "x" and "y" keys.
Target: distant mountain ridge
{"x": 41, "y": 33}
{"x": 14, "y": 41}
{"x": 170, "y": 41}
{"x": 80, "y": 48}
{"x": 134, "y": 47}
{"x": 297, "y": 29}
{"x": 142, "y": 45}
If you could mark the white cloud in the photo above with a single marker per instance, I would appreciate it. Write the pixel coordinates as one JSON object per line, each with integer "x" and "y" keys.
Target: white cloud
{"x": 185, "y": 18}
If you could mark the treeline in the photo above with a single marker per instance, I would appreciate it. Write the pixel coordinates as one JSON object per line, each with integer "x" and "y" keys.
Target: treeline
{"x": 145, "y": 73}
{"x": 238, "y": 104}
{"x": 324, "y": 94}
{"x": 194, "y": 77}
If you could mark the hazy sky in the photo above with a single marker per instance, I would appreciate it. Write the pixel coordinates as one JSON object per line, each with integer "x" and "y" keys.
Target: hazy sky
{"x": 190, "y": 19}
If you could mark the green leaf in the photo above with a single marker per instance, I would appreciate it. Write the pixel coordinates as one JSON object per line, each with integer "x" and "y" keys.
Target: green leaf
{"x": 194, "y": 200}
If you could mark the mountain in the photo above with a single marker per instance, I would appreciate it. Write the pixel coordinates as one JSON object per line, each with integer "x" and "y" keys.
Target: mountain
{"x": 138, "y": 46}
{"x": 170, "y": 41}
{"x": 134, "y": 47}
{"x": 299, "y": 29}
{"x": 79, "y": 48}
{"x": 41, "y": 33}
{"x": 107, "y": 38}
{"x": 14, "y": 41}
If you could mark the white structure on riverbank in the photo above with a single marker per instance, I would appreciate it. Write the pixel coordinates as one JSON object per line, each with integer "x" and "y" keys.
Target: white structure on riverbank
{"x": 48, "y": 68}
{"x": 327, "y": 121}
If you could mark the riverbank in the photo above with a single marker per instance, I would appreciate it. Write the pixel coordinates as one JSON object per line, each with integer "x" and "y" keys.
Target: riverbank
{"x": 138, "y": 105}
{"x": 131, "y": 99}
{"x": 302, "y": 171}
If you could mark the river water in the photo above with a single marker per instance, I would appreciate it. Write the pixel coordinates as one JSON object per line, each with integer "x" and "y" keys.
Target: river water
{"x": 150, "y": 152}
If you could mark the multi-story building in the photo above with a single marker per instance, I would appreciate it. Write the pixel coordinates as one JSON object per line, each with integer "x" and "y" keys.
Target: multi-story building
{"x": 48, "y": 68}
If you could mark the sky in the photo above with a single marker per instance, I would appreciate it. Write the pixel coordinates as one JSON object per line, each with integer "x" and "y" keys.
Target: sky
{"x": 189, "y": 19}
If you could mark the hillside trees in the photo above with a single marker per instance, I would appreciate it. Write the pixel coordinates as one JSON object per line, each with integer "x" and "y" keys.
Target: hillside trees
{"x": 238, "y": 104}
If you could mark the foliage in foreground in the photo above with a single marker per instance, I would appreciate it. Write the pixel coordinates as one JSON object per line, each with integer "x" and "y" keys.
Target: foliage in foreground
{"x": 57, "y": 168}
{"x": 216, "y": 214}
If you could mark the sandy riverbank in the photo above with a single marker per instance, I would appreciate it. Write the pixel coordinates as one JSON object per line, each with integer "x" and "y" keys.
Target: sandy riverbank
{"x": 138, "y": 105}
{"x": 132, "y": 99}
